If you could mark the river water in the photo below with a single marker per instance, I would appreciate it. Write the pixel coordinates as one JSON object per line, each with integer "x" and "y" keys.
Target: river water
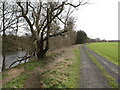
{"x": 10, "y": 58}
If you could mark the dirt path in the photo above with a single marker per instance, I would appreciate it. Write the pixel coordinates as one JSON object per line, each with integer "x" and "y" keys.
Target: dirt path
{"x": 33, "y": 80}
{"x": 91, "y": 76}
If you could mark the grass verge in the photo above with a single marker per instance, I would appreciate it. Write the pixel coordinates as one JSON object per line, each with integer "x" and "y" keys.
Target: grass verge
{"x": 64, "y": 74}
{"x": 32, "y": 65}
{"x": 110, "y": 79}
{"x": 17, "y": 82}
{"x": 20, "y": 80}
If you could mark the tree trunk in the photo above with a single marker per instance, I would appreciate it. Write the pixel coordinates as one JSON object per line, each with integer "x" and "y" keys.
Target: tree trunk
{"x": 41, "y": 50}
{"x": 40, "y": 54}
{"x": 40, "y": 46}
{"x": 3, "y": 51}
{"x": 3, "y": 63}
{"x": 3, "y": 38}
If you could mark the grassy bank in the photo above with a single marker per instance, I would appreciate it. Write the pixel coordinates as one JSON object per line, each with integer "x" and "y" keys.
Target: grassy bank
{"x": 16, "y": 80}
{"x": 109, "y": 78}
{"x": 19, "y": 81}
{"x": 61, "y": 74}
{"x": 64, "y": 74}
{"x": 107, "y": 50}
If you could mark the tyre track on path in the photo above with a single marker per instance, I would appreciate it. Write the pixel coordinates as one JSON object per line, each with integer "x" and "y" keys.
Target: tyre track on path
{"x": 111, "y": 68}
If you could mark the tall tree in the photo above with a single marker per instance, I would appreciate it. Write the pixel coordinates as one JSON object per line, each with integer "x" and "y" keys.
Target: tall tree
{"x": 40, "y": 17}
{"x": 8, "y": 18}
{"x": 3, "y": 46}
{"x": 81, "y": 37}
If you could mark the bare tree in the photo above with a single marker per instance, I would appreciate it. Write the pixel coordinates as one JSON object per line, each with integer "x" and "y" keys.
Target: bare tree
{"x": 8, "y": 18}
{"x": 3, "y": 47}
{"x": 40, "y": 17}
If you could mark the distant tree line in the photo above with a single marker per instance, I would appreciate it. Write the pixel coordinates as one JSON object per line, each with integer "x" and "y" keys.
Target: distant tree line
{"x": 89, "y": 40}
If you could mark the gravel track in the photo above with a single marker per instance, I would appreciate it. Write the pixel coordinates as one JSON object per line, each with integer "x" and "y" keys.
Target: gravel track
{"x": 90, "y": 75}
{"x": 109, "y": 66}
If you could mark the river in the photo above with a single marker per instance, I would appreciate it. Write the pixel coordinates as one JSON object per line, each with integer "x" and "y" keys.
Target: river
{"x": 10, "y": 58}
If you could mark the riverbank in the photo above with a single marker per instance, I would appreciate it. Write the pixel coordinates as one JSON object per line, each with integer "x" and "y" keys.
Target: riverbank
{"x": 58, "y": 70}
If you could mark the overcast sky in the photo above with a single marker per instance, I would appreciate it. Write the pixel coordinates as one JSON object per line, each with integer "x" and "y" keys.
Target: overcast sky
{"x": 99, "y": 19}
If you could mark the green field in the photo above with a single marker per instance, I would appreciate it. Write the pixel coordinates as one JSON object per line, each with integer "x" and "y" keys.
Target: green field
{"x": 108, "y": 50}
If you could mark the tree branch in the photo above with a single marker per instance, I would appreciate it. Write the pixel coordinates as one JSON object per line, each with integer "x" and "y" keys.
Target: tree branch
{"x": 19, "y": 4}
{"x": 55, "y": 34}
{"x": 23, "y": 59}
{"x": 80, "y": 3}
